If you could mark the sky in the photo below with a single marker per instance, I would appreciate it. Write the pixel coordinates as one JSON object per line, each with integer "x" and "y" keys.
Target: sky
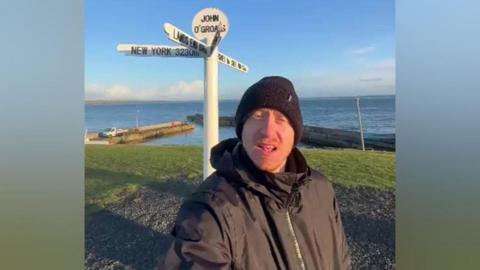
{"x": 326, "y": 48}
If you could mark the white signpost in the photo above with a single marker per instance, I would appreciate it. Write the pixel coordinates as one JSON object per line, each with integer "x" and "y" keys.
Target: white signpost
{"x": 209, "y": 26}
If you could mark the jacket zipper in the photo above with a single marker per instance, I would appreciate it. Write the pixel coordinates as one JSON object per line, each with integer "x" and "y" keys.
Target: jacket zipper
{"x": 295, "y": 241}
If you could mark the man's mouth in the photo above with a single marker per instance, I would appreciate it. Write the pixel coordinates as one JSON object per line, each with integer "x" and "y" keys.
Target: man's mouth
{"x": 267, "y": 148}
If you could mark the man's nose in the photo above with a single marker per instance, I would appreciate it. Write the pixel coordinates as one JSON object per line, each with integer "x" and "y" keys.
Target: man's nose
{"x": 269, "y": 126}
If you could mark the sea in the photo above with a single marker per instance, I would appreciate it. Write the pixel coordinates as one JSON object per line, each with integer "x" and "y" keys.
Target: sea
{"x": 377, "y": 116}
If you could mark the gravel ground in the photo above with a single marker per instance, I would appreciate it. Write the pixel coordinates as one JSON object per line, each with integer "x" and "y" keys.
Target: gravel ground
{"x": 135, "y": 233}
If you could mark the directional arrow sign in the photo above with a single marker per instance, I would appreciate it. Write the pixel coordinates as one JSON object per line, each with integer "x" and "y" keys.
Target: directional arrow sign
{"x": 157, "y": 50}
{"x": 186, "y": 40}
{"x": 232, "y": 62}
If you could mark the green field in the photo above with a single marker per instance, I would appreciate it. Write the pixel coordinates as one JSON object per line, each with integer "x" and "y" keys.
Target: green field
{"x": 113, "y": 171}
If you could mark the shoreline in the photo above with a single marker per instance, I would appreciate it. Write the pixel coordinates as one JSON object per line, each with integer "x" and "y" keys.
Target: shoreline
{"x": 127, "y": 102}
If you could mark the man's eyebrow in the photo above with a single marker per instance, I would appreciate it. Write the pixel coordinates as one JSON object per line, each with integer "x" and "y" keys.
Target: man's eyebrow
{"x": 279, "y": 114}
{"x": 262, "y": 110}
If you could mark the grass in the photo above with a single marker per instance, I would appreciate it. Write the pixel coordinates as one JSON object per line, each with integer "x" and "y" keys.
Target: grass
{"x": 353, "y": 168}
{"x": 113, "y": 171}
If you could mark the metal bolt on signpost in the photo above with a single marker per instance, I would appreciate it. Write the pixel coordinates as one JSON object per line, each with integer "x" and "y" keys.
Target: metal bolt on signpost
{"x": 209, "y": 26}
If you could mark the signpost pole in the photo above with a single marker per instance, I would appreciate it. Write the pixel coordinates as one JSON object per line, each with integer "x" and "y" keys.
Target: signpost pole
{"x": 136, "y": 118}
{"x": 210, "y": 110}
{"x": 360, "y": 123}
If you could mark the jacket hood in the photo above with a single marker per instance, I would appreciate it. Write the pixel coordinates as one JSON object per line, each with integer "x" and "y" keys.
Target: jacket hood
{"x": 231, "y": 161}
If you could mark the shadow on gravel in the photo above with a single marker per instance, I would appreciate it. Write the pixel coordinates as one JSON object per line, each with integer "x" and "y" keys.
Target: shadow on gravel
{"x": 364, "y": 228}
{"x": 368, "y": 217}
{"x": 371, "y": 241}
{"x": 135, "y": 232}
{"x": 123, "y": 244}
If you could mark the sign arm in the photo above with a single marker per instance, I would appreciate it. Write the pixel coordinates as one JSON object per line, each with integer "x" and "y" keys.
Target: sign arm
{"x": 145, "y": 50}
{"x": 186, "y": 40}
{"x": 227, "y": 60}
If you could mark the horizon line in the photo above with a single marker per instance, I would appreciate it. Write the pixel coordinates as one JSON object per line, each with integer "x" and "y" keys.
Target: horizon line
{"x": 109, "y": 101}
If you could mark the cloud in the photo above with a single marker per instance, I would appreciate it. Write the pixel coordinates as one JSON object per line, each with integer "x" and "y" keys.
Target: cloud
{"x": 363, "y": 50}
{"x": 179, "y": 91}
{"x": 193, "y": 90}
{"x": 117, "y": 92}
{"x": 374, "y": 79}
{"x": 371, "y": 79}
{"x": 380, "y": 74}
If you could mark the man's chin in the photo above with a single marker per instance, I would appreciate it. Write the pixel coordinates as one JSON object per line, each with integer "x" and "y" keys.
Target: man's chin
{"x": 268, "y": 167}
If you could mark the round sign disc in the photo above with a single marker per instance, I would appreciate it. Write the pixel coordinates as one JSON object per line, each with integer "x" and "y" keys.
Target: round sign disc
{"x": 206, "y": 23}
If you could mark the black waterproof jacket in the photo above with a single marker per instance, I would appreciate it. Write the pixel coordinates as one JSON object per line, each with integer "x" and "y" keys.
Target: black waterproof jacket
{"x": 244, "y": 218}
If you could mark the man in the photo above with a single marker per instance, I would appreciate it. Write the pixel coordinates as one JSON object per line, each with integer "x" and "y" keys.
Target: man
{"x": 263, "y": 207}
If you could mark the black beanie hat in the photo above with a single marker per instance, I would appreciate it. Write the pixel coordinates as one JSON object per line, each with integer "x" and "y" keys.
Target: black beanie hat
{"x": 273, "y": 92}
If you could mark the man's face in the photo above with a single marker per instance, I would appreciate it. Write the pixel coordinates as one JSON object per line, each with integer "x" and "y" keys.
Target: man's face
{"x": 268, "y": 138}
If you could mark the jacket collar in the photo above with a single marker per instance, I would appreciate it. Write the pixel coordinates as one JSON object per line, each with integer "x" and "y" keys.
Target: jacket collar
{"x": 230, "y": 159}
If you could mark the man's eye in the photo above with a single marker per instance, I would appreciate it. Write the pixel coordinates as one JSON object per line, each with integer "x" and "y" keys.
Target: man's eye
{"x": 282, "y": 119}
{"x": 257, "y": 115}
